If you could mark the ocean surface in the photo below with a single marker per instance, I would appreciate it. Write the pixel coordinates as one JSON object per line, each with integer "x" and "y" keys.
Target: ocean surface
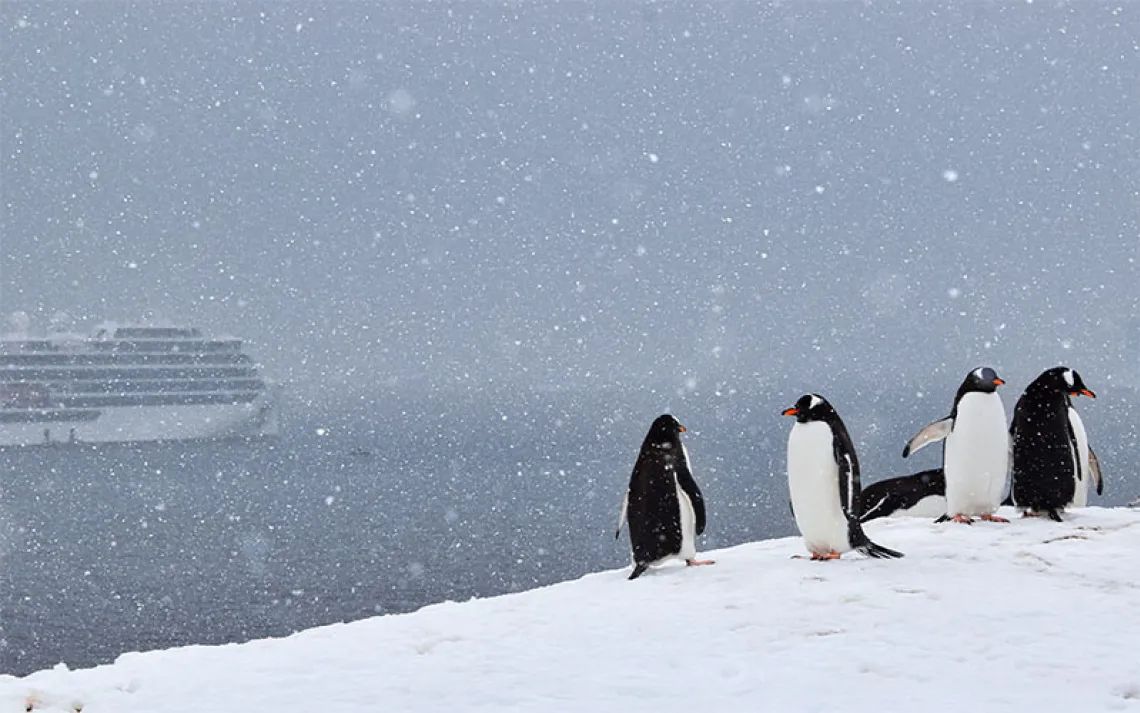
{"x": 379, "y": 508}
{"x": 105, "y": 550}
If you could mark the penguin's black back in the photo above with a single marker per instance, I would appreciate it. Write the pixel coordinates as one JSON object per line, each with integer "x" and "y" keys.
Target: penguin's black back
{"x": 1043, "y": 445}
{"x": 653, "y": 509}
{"x": 893, "y": 494}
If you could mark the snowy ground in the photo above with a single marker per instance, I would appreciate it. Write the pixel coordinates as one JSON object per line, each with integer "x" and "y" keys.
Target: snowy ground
{"x": 1032, "y": 615}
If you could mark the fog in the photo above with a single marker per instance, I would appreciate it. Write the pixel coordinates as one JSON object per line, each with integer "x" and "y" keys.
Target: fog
{"x": 563, "y": 196}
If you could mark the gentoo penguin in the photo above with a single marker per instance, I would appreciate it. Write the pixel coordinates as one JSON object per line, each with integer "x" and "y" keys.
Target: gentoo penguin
{"x": 1089, "y": 475}
{"x": 663, "y": 504}
{"x": 823, "y": 481}
{"x": 975, "y": 457}
{"x": 919, "y": 495}
{"x": 1050, "y": 447}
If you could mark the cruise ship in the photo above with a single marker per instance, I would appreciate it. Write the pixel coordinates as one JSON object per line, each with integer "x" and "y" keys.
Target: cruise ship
{"x": 130, "y": 382}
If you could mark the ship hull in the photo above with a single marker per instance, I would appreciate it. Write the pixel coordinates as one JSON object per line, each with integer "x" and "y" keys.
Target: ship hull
{"x": 127, "y": 424}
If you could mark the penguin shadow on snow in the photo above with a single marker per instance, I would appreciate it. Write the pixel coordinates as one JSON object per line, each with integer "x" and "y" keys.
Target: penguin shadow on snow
{"x": 662, "y": 506}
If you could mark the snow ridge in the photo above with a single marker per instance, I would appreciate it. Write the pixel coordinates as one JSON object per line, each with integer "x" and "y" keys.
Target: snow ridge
{"x": 1031, "y": 615}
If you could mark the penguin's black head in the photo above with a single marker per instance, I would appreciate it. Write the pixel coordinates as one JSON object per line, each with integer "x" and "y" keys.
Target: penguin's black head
{"x": 982, "y": 379}
{"x": 665, "y": 429}
{"x": 1062, "y": 378}
{"x": 811, "y": 407}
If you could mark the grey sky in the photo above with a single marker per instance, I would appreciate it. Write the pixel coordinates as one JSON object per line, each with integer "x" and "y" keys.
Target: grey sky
{"x": 577, "y": 193}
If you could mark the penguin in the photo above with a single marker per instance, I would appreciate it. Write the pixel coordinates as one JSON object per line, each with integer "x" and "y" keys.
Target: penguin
{"x": 663, "y": 505}
{"x": 823, "y": 482}
{"x": 1089, "y": 476}
{"x": 919, "y": 495}
{"x": 1050, "y": 447}
{"x": 975, "y": 457}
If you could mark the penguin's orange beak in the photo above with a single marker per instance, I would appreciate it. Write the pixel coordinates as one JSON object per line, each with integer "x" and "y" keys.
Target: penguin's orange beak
{"x": 681, "y": 428}
{"x": 1084, "y": 392}
{"x": 793, "y": 411}
{"x": 999, "y": 382}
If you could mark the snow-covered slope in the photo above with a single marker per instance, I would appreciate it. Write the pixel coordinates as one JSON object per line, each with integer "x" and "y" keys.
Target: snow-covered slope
{"x": 1032, "y": 615}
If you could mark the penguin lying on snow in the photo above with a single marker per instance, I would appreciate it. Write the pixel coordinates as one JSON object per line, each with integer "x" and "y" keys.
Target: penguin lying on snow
{"x": 1051, "y": 456}
{"x": 919, "y": 495}
{"x": 975, "y": 458}
{"x": 823, "y": 481}
{"x": 663, "y": 504}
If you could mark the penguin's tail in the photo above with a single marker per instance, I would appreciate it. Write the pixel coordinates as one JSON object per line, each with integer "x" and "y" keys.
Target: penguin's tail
{"x": 878, "y": 551}
{"x": 638, "y": 570}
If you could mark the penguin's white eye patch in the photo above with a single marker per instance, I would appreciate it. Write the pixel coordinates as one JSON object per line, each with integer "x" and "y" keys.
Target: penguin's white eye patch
{"x": 815, "y": 401}
{"x": 1068, "y": 374}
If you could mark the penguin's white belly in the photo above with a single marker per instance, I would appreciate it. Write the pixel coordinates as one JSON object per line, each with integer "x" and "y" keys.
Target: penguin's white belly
{"x": 1081, "y": 474}
{"x": 977, "y": 456}
{"x": 813, "y": 484}
{"x": 688, "y": 526}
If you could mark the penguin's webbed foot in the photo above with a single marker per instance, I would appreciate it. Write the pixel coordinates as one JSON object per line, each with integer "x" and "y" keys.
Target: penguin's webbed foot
{"x": 964, "y": 519}
{"x": 824, "y": 556}
{"x": 993, "y": 518}
{"x": 698, "y": 563}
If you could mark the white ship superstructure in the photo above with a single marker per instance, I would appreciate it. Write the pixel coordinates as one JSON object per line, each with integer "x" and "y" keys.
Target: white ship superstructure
{"x": 129, "y": 383}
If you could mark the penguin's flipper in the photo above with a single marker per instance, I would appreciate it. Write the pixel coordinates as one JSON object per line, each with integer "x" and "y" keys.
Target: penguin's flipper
{"x": 621, "y": 517}
{"x": 689, "y": 486}
{"x": 639, "y": 570}
{"x": 930, "y": 434}
{"x": 879, "y": 509}
{"x": 1054, "y": 515}
{"x": 850, "y": 485}
{"x": 1094, "y": 468}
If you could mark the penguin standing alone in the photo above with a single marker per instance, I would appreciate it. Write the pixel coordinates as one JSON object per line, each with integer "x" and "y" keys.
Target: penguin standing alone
{"x": 1051, "y": 456}
{"x": 823, "y": 482}
{"x": 975, "y": 457}
{"x": 663, "y": 504}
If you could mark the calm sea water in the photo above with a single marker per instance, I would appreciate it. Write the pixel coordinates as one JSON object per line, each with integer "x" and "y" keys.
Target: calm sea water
{"x": 124, "y": 548}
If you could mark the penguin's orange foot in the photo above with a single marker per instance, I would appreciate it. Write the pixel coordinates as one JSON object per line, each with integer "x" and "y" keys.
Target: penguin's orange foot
{"x": 964, "y": 519}
{"x": 699, "y": 563}
{"x": 820, "y": 557}
{"x": 993, "y": 518}
{"x": 1030, "y": 513}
